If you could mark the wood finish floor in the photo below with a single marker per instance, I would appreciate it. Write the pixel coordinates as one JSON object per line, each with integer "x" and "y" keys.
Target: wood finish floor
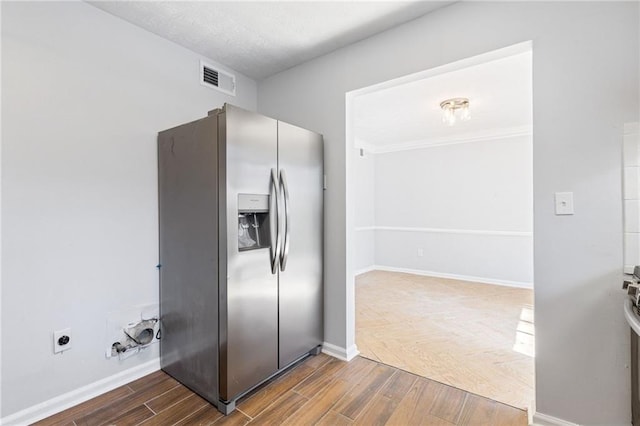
{"x": 318, "y": 391}
{"x": 472, "y": 336}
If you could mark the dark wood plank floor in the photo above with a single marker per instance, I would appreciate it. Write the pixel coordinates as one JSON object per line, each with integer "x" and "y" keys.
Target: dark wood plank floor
{"x": 318, "y": 391}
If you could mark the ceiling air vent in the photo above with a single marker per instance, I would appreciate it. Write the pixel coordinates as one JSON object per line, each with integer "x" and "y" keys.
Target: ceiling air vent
{"x": 212, "y": 77}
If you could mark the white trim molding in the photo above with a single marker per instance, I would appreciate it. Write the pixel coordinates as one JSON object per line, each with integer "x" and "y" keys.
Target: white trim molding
{"x": 60, "y": 403}
{"x": 447, "y": 231}
{"x": 365, "y": 270}
{"x": 540, "y": 419}
{"x": 502, "y": 133}
{"x": 483, "y": 280}
{"x": 339, "y": 352}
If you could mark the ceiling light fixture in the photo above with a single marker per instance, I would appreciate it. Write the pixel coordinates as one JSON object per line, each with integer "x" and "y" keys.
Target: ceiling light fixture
{"x": 455, "y": 109}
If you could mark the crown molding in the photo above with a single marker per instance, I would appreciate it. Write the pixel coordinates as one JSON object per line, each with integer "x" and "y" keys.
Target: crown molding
{"x": 503, "y": 133}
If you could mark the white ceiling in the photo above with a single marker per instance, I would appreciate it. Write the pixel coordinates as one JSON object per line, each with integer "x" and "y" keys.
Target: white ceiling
{"x": 500, "y": 99}
{"x": 262, "y": 38}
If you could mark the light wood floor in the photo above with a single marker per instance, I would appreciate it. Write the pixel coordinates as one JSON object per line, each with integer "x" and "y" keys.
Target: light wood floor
{"x": 319, "y": 391}
{"x": 472, "y": 336}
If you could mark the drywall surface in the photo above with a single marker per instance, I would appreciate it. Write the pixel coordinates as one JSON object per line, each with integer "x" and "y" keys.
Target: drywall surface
{"x": 585, "y": 52}
{"x": 464, "y": 209}
{"x": 364, "y": 204}
{"x": 631, "y": 185}
{"x": 83, "y": 95}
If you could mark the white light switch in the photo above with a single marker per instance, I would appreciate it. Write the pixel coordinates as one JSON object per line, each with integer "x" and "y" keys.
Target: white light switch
{"x": 564, "y": 203}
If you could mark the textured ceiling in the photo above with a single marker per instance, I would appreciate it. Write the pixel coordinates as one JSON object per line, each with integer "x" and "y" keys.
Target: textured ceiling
{"x": 262, "y": 38}
{"x": 500, "y": 97}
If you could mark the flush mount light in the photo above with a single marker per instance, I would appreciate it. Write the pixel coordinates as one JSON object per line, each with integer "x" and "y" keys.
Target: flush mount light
{"x": 455, "y": 109}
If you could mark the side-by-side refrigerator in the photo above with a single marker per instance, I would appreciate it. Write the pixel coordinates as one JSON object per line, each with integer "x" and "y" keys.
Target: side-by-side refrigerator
{"x": 241, "y": 226}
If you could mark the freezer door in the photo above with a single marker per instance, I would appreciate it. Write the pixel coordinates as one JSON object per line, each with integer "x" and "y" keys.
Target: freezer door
{"x": 300, "y": 159}
{"x": 249, "y": 288}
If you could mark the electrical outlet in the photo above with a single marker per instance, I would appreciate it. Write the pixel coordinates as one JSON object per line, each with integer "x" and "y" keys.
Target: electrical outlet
{"x": 420, "y": 252}
{"x": 61, "y": 340}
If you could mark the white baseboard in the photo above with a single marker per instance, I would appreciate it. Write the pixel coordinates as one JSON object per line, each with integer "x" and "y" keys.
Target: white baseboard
{"x": 339, "y": 352}
{"x": 540, "y": 419}
{"x": 77, "y": 396}
{"x": 365, "y": 270}
{"x": 483, "y": 280}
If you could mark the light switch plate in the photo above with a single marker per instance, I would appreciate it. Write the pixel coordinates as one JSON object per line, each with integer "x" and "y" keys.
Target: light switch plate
{"x": 564, "y": 203}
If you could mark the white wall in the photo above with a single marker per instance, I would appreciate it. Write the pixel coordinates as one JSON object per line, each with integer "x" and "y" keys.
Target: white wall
{"x": 631, "y": 184}
{"x": 586, "y": 52}
{"x": 468, "y": 206}
{"x": 365, "y": 212}
{"x": 84, "y": 95}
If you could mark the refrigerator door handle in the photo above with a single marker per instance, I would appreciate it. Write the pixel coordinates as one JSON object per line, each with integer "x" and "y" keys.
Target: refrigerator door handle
{"x": 285, "y": 248}
{"x": 275, "y": 236}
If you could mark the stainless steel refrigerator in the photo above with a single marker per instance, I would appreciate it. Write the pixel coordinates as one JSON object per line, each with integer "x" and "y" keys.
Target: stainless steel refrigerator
{"x": 241, "y": 217}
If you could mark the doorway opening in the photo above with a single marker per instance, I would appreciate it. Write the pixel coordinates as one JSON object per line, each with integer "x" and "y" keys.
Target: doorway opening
{"x": 440, "y": 224}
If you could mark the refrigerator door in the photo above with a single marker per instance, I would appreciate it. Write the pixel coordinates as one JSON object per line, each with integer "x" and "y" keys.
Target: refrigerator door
{"x": 248, "y": 287}
{"x": 300, "y": 159}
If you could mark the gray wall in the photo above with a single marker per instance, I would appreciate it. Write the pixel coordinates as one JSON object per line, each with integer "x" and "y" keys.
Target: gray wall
{"x": 585, "y": 77}
{"x": 467, "y": 206}
{"x": 83, "y": 95}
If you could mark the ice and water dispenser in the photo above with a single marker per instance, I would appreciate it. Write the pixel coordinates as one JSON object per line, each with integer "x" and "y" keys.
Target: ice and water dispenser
{"x": 253, "y": 222}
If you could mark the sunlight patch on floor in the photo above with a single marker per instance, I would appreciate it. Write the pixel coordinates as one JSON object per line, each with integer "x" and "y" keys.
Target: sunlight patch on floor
{"x": 525, "y": 333}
